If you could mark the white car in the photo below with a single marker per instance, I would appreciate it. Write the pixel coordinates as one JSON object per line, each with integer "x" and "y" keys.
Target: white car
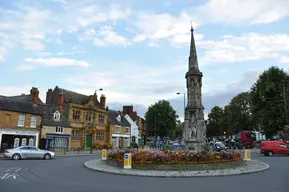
{"x": 28, "y": 152}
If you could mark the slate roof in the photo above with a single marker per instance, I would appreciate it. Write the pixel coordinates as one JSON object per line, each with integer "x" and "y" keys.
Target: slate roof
{"x": 18, "y": 105}
{"x": 113, "y": 120}
{"x": 47, "y": 117}
{"x": 26, "y": 97}
{"x": 74, "y": 97}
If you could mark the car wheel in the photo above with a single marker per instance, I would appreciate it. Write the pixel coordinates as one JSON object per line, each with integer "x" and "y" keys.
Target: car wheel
{"x": 16, "y": 156}
{"x": 47, "y": 156}
{"x": 270, "y": 153}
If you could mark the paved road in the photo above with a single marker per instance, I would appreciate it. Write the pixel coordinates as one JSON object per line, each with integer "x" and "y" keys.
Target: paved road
{"x": 68, "y": 174}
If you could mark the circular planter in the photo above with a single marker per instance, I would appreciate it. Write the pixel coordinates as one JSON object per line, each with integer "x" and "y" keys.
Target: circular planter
{"x": 180, "y": 167}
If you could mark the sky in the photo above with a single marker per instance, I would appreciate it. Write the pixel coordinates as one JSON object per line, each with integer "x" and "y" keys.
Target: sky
{"x": 137, "y": 51}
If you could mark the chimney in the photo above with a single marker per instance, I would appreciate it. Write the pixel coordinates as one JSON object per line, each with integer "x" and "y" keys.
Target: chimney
{"x": 49, "y": 95}
{"x": 34, "y": 95}
{"x": 102, "y": 101}
{"x": 95, "y": 97}
{"x": 60, "y": 101}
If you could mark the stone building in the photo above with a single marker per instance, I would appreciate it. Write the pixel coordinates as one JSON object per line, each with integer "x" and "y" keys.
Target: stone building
{"x": 86, "y": 115}
{"x": 20, "y": 120}
{"x": 55, "y": 129}
{"x": 194, "y": 133}
{"x": 119, "y": 128}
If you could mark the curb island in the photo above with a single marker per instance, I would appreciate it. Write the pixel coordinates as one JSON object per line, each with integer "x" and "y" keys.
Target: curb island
{"x": 248, "y": 167}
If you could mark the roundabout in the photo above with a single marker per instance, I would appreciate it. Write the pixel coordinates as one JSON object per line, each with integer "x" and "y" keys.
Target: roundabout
{"x": 174, "y": 164}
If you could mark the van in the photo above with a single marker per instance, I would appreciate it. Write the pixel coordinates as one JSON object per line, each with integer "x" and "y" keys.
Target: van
{"x": 270, "y": 148}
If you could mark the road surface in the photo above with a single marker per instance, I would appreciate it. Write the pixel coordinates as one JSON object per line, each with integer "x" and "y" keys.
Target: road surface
{"x": 68, "y": 174}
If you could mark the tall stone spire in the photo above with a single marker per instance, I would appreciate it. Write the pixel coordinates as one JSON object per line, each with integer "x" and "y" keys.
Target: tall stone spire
{"x": 194, "y": 133}
{"x": 193, "y": 59}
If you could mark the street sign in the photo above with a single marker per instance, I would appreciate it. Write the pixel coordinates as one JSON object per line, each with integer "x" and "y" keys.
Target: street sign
{"x": 126, "y": 156}
{"x": 127, "y": 161}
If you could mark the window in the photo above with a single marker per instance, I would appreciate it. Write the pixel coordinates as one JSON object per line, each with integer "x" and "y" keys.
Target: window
{"x": 57, "y": 116}
{"x": 76, "y": 114}
{"x": 100, "y": 136}
{"x": 33, "y": 121}
{"x": 21, "y": 120}
{"x": 8, "y": 118}
{"x": 126, "y": 142}
{"x": 59, "y": 130}
{"x": 76, "y": 134}
{"x": 88, "y": 117}
{"x": 101, "y": 119}
{"x": 126, "y": 130}
{"x": 58, "y": 142}
{"x": 117, "y": 129}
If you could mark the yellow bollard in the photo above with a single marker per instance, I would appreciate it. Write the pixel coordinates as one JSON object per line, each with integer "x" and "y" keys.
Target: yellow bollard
{"x": 127, "y": 161}
{"x": 247, "y": 155}
{"x": 104, "y": 155}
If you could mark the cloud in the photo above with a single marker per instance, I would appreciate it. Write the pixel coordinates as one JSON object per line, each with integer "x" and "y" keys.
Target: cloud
{"x": 243, "y": 11}
{"x": 151, "y": 44}
{"x": 52, "y": 62}
{"x": 106, "y": 36}
{"x": 246, "y": 47}
{"x": 176, "y": 29}
{"x": 25, "y": 67}
{"x": 139, "y": 85}
{"x": 2, "y": 52}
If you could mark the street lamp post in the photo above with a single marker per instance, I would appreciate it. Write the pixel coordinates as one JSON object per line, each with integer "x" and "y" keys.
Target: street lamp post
{"x": 178, "y": 93}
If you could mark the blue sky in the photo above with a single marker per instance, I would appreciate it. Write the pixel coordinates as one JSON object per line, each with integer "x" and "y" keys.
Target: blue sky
{"x": 137, "y": 51}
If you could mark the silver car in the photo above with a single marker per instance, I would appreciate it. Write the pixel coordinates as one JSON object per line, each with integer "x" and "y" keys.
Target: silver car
{"x": 26, "y": 152}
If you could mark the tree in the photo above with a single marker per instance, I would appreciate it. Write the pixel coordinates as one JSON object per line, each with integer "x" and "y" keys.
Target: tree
{"x": 161, "y": 119}
{"x": 216, "y": 122}
{"x": 239, "y": 113}
{"x": 267, "y": 99}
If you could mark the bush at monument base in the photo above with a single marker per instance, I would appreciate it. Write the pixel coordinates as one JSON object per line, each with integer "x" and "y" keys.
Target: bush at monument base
{"x": 97, "y": 145}
{"x": 175, "y": 157}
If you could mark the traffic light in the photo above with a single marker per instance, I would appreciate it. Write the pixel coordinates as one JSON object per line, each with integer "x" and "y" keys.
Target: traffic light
{"x": 142, "y": 140}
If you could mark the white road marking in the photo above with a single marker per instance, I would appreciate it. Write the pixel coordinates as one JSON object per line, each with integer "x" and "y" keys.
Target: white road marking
{"x": 9, "y": 173}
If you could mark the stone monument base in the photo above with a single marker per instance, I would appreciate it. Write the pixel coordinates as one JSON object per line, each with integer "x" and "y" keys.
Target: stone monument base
{"x": 195, "y": 145}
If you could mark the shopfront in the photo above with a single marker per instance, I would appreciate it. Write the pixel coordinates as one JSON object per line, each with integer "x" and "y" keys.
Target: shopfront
{"x": 12, "y": 138}
{"x": 57, "y": 142}
{"x": 120, "y": 140}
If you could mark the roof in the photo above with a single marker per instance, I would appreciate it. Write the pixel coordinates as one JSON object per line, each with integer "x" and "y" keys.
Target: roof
{"x": 18, "y": 105}
{"x": 26, "y": 97}
{"x": 112, "y": 118}
{"x": 74, "y": 97}
{"x": 47, "y": 117}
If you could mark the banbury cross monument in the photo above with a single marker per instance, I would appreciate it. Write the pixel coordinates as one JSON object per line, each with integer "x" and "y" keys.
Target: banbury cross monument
{"x": 194, "y": 133}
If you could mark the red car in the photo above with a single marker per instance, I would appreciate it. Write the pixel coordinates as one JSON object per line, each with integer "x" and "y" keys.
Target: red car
{"x": 270, "y": 148}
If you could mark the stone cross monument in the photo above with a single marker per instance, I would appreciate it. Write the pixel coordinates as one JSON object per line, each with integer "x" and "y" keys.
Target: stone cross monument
{"x": 194, "y": 133}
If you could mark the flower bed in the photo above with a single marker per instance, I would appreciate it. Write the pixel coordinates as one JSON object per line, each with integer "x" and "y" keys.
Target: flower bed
{"x": 176, "y": 160}
{"x": 97, "y": 145}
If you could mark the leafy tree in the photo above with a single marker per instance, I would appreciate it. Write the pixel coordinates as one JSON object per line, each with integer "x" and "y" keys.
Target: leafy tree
{"x": 161, "y": 119}
{"x": 216, "y": 122}
{"x": 239, "y": 113}
{"x": 267, "y": 99}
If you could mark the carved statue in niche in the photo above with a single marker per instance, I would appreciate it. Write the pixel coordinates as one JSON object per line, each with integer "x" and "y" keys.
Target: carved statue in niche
{"x": 194, "y": 132}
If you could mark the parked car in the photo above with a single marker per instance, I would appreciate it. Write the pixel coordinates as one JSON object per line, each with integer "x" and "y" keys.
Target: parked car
{"x": 270, "y": 148}
{"x": 219, "y": 146}
{"x": 28, "y": 152}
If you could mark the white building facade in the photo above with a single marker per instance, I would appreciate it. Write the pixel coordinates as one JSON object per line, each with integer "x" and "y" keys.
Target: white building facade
{"x": 134, "y": 129}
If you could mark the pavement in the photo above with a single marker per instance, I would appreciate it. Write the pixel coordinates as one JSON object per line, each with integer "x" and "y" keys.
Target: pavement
{"x": 65, "y": 174}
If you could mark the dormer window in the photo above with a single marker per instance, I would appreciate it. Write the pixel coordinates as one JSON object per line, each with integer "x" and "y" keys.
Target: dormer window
{"x": 118, "y": 118}
{"x": 56, "y": 116}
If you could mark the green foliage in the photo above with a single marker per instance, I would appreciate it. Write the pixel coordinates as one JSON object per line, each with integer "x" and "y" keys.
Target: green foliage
{"x": 239, "y": 113}
{"x": 216, "y": 122}
{"x": 133, "y": 145}
{"x": 161, "y": 119}
{"x": 267, "y": 98}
